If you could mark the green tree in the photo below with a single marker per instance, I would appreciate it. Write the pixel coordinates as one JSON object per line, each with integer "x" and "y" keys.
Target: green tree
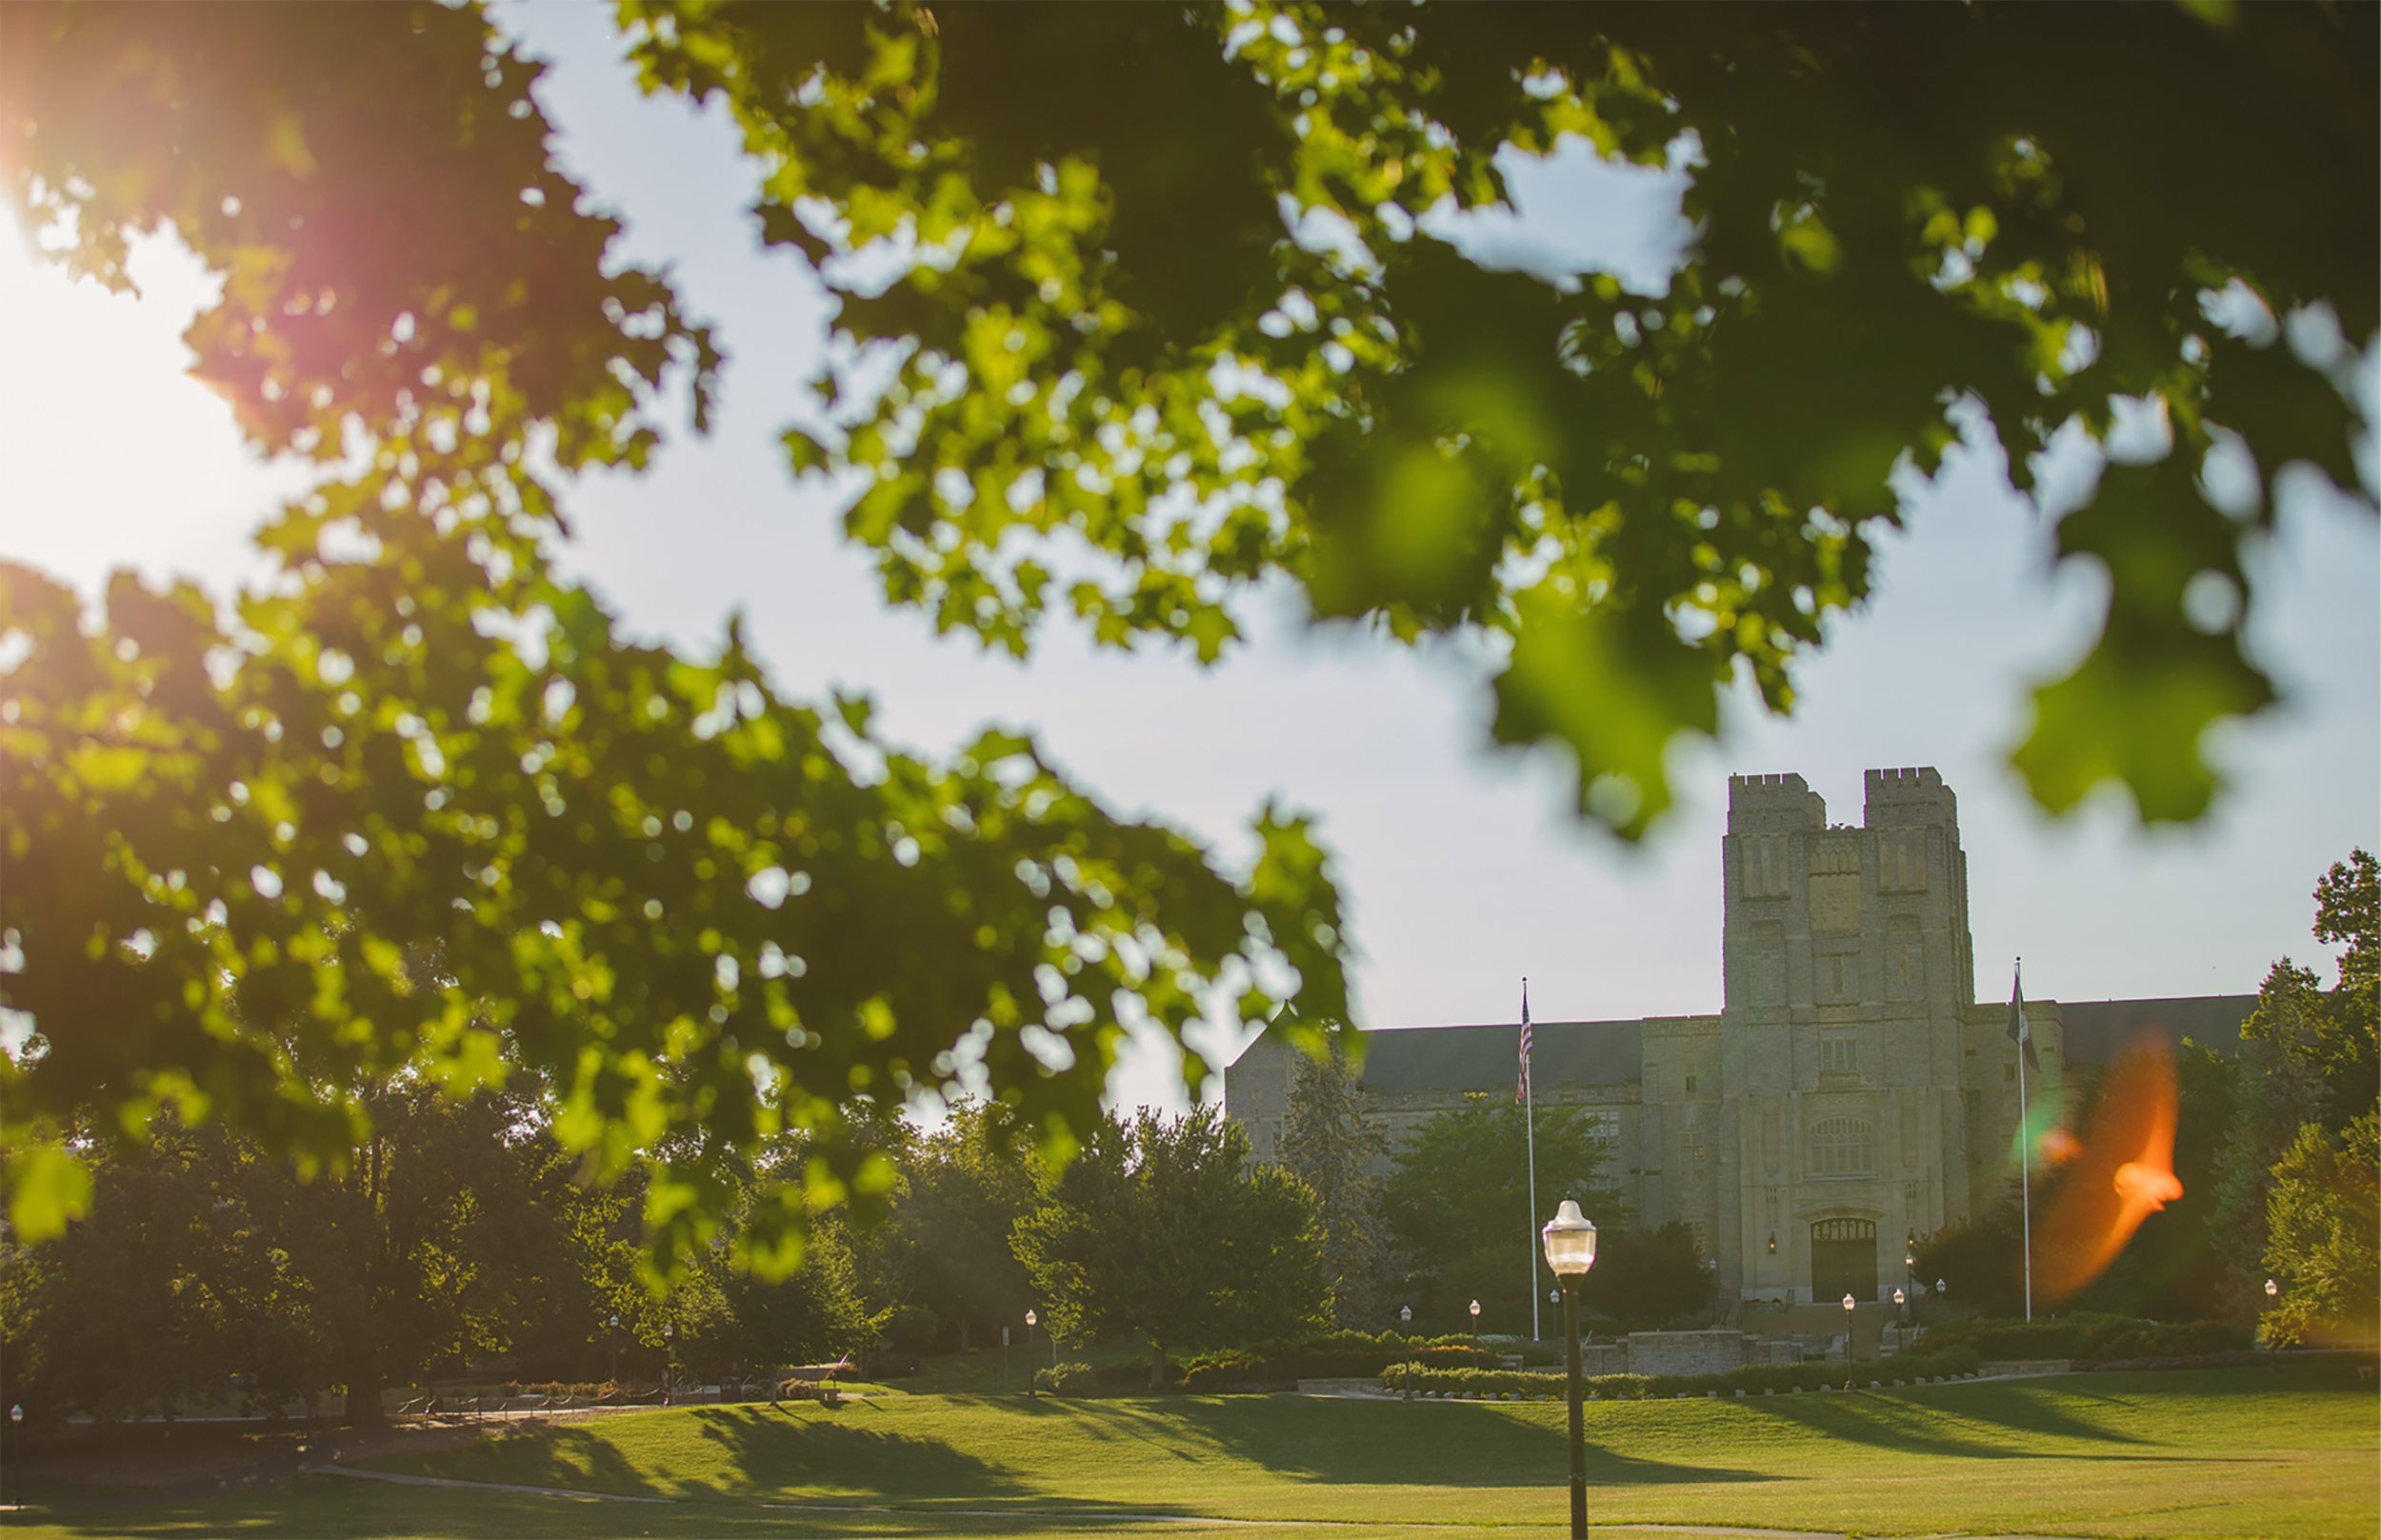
{"x": 1981, "y": 1259}
{"x": 1458, "y": 1205}
{"x": 449, "y": 1238}
{"x": 689, "y": 913}
{"x": 1161, "y": 1231}
{"x": 2348, "y": 1029}
{"x": 969, "y": 1183}
{"x": 2323, "y": 1225}
{"x": 2171, "y": 1269}
{"x": 1649, "y": 1277}
{"x": 1212, "y": 264}
{"x": 1329, "y": 1144}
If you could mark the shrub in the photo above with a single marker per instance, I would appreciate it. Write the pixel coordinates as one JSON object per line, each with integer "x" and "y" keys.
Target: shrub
{"x": 2094, "y": 1338}
{"x": 1753, "y": 1378}
{"x": 1068, "y": 1379}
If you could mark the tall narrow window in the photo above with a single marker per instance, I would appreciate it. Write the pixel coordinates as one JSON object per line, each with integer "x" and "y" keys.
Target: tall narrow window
{"x": 1842, "y": 1147}
{"x": 1839, "y": 1053}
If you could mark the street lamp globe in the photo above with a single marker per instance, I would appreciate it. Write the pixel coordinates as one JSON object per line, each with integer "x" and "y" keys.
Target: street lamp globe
{"x": 1031, "y": 1319}
{"x": 1850, "y": 1304}
{"x": 1569, "y": 1238}
{"x": 1476, "y": 1312}
{"x": 1900, "y": 1298}
{"x": 2272, "y": 1289}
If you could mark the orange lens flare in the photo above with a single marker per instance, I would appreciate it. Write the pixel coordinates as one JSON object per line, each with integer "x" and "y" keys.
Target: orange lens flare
{"x": 2118, "y": 1176}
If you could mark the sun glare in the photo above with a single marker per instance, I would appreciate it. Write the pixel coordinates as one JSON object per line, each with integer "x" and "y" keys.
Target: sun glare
{"x": 111, "y": 455}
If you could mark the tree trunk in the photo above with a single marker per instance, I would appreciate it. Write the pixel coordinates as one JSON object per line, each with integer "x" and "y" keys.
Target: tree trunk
{"x": 364, "y": 1383}
{"x": 963, "y": 1333}
{"x": 1157, "y": 1368}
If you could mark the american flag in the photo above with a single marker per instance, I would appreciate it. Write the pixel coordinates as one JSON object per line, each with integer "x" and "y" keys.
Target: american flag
{"x": 1521, "y": 1087}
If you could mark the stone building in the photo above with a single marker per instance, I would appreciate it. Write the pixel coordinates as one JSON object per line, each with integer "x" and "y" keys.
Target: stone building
{"x": 1850, "y": 1096}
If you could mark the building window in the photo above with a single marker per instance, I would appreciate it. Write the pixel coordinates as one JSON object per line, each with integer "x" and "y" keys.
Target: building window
{"x": 1690, "y": 1083}
{"x": 1693, "y": 1151}
{"x": 1839, "y": 1053}
{"x": 1842, "y": 1147}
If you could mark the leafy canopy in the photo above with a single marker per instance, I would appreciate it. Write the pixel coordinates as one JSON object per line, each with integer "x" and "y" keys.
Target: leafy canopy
{"x": 418, "y": 808}
{"x": 1171, "y": 302}
{"x": 1163, "y": 1233}
{"x": 1172, "y": 286}
{"x": 1458, "y": 1204}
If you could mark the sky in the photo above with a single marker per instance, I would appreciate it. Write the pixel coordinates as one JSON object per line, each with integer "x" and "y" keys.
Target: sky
{"x": 1462, "y": 866}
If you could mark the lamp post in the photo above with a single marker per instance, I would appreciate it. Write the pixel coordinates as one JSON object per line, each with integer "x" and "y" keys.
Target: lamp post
{"x": 1569, "y": 1238}
{"x": 2272, "y": 1346}
{"x": 1711, "y": 1286}
{"x": 1849, "y": 1305}
{"x": 1901, "y": 1304}
{"x": 615, "y": 1350}
{"x": 16, "y": 1451}
{"x": 669, "y": 1358}
{"x": 1031, "y": 1319}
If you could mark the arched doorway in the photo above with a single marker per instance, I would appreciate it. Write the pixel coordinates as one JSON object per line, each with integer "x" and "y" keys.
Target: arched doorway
{"x": 1843, "y": 1260}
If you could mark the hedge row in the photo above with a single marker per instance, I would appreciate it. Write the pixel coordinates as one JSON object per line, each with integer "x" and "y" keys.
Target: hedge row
{"x": 1341, "y": 1355}
{"x": 2090, "y": 1338}
{"x": 1753, "y": 1378}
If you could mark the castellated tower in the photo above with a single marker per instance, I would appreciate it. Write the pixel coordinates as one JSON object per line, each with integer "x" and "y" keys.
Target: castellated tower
{"x": 1844, "y": 1053}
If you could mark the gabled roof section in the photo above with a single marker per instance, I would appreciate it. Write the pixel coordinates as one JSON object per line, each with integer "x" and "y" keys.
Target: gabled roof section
{"x": 1485, "y": 1057}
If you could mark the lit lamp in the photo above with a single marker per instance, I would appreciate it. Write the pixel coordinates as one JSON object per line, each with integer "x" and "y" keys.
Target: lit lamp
{"x": 1569, "y": 1238}
{"x": 1849, "y": 1305}
{"x": 2272, "y": 1344}
{"x": 1405, "y": 1314}
{"x": 1030, "y": 1319}
{"x": 1900, "y": 1300}
{"x": 1475, "y": 1318}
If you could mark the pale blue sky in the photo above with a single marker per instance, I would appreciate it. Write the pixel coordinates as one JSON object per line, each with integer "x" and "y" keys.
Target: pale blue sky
{"x": 1462, "y": 867}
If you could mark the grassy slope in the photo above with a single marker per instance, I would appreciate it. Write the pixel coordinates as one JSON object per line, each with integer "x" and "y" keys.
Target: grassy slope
{"x": 2218, "y": 1453}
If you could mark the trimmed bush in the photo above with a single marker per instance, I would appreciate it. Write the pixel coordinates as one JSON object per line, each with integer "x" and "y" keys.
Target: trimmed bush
{"x": 1754, "y": 1378}
{"x": 1068, "y": 1379}
{"x": 2091, "y": 1338}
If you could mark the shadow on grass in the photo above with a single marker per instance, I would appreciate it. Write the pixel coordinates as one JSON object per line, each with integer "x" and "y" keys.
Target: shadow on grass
{"x": 329, "y": 1508}
{"x": 1368, "y": 1443}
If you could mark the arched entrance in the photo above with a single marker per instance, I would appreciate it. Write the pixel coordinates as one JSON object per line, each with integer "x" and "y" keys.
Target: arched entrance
{"x": 1843, "y": 1260}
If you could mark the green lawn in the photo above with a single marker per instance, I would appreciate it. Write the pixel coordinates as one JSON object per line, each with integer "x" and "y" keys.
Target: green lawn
{"x": 2224, "y": 1453}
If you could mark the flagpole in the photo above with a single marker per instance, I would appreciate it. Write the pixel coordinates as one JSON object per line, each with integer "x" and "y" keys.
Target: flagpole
{"x": 2024, "y": 1133}
{"x": 1529, "y": 1120}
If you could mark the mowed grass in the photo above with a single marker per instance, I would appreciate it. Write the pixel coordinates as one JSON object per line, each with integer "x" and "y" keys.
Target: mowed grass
{"x": 2220, "y": 1452}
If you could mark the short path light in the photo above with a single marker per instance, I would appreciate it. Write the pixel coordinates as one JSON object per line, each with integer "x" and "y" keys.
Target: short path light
{"x": 1569, "y": 1238}
{"x": 1849, "y": 1305}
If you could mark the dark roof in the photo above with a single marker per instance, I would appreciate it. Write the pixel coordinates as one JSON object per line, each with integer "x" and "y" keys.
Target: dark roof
{"x": 1487, "y": 1057}
{"x": 2098, "y": 1029}
{"x": 1482, "y": 1058}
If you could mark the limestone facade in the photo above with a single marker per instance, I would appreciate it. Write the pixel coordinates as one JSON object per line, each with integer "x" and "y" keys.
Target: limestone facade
{"x": 1850, "y": 1096}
